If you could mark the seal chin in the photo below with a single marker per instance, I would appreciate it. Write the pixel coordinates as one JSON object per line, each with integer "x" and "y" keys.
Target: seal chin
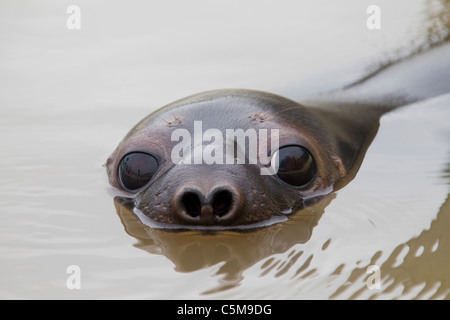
{"x": 147, "y": 221}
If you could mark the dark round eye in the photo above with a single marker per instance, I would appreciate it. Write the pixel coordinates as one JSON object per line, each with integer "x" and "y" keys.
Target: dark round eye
{"x": 136, "y": 169}
{"x": 295, "y": 165}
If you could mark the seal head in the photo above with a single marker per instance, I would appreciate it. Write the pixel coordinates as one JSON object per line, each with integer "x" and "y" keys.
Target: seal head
{"x": 228, "y": 158}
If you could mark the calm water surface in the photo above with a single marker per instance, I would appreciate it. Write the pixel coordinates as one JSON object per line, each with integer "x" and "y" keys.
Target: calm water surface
{"x": 69, "y": 96}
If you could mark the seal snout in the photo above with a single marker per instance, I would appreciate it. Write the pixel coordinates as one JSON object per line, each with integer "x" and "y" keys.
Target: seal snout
{"x": 219, "y": 206}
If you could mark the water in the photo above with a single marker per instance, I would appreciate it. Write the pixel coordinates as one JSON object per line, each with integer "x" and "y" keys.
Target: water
{"x": 69, "y": 96}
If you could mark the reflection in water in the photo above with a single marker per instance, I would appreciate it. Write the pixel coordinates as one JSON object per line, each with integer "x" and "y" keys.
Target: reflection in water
{"x": 427, "y": 255}
{"x": 234, "y": 250}
{"x": 419, "y": 266}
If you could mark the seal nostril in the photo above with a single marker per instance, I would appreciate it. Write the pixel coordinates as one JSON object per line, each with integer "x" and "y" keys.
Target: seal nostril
{"x": 222, "y": 203}
{"x": 221, "y": 206}
{"x": 192, "y": 204}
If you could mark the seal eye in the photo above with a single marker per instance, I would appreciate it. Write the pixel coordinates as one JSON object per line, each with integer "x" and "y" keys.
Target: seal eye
{"x": 136, "y": 170}
{"x": 295, "y": 165}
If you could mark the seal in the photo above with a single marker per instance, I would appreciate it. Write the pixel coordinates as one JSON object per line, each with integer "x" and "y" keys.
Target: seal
{"x": 317, "y": 149}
